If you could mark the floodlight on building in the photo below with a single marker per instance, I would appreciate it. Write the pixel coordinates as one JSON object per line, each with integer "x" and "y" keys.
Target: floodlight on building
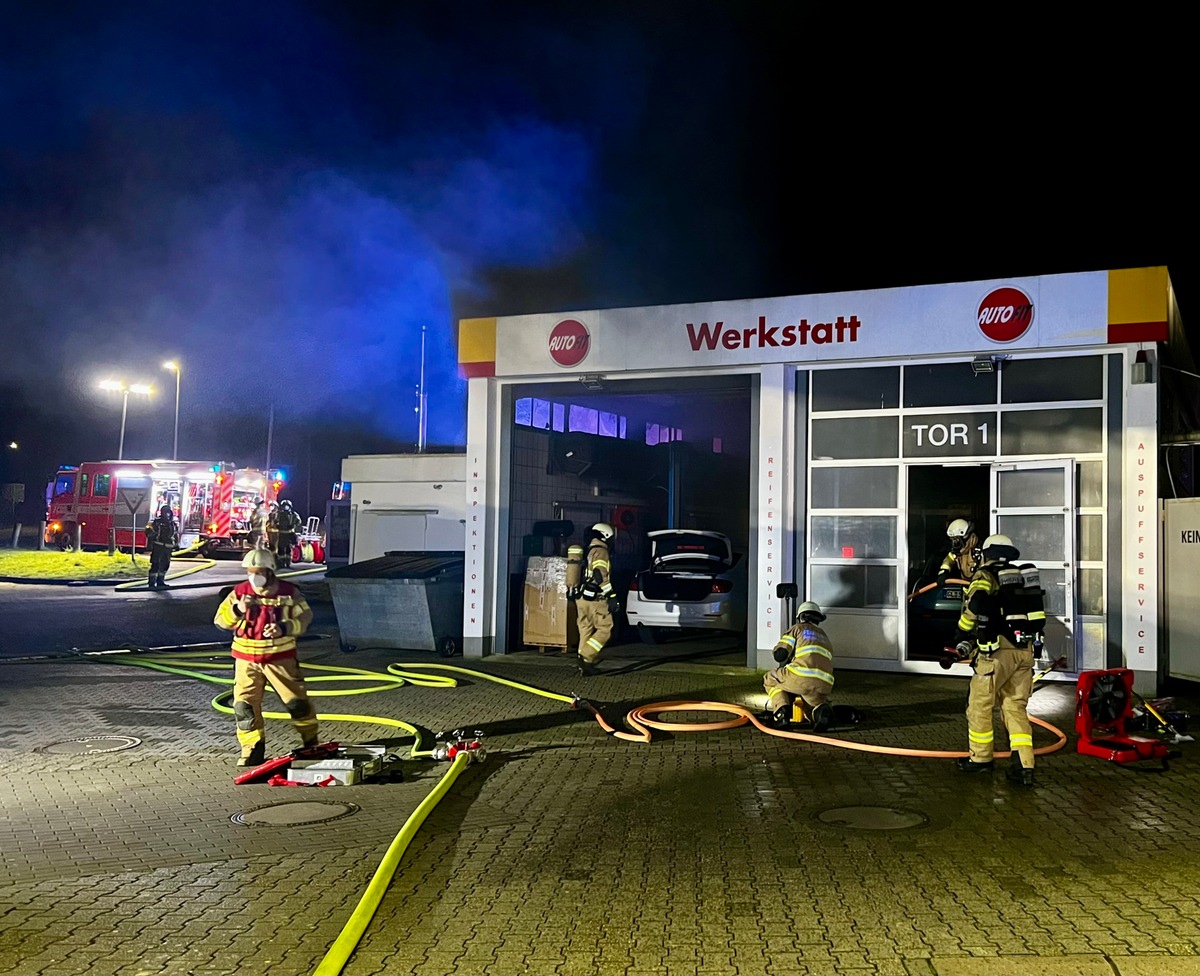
{"x": 592, "y": 382}
{"x": 983, "y": 364}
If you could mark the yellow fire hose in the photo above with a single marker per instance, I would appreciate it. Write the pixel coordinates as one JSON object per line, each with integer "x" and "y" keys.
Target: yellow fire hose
{"x": 639, "y": 719}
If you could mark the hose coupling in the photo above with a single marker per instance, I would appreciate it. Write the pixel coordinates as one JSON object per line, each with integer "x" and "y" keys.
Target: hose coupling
{"x": 460, "y": 741}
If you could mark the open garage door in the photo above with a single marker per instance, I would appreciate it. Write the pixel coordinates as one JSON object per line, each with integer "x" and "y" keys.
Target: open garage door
{"x": 641, "y": 455}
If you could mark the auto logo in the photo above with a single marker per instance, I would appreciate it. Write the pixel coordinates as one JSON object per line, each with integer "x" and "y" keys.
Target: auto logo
{"x": 569, "y": 342}
{"x": 1005, "y": 314}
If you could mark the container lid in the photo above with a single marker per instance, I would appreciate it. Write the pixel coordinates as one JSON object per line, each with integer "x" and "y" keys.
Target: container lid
{"x": 402, "y": 565}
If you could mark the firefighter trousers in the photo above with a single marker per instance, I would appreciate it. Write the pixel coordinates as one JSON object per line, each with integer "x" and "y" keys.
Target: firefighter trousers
{"x": 783, "y": 687}
{"x": 249, "y": 682}
{"x": 595, "y": 628}
{"x": 1004, "y": 678}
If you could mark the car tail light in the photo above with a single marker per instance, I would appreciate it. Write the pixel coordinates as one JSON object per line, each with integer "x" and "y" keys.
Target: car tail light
{"x": 633, "y": 587}
{"x": 722, "y": 586}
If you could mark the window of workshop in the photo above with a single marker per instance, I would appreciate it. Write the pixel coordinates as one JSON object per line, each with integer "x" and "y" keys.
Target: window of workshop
{"x": 1057, "y": 379}
{"x": 947, "y": 385}
{"x": 844, "y": 438}
{"x": 853, "y": 586}
{"x": 869, "y": 388}
{"x": 858, "y": 487}
{"x": 853, "y": 536}
{"x": 1052, "y": 432}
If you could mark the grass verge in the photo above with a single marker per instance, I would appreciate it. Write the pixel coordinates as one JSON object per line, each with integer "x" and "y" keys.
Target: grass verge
{"x": 54, "y": 565}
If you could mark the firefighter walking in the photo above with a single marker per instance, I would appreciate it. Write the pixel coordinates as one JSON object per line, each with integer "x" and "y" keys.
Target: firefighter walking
{"x": 162, "y": 539}
{"x": 805, "y": 672}
{"x": 1002, "y": 615}
{"x": 266, "y": 615}
{"x": 595, "y": 599}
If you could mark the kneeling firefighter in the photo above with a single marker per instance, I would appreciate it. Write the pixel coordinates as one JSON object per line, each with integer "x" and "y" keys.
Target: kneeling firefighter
{"x": 1004, "y": 611}
{"x": 595, "y": 599}
{"x": 805, "y": 656}
{"x": 266, "y": 615}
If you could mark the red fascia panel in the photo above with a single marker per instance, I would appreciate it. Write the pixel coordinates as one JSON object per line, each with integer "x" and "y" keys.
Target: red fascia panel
{"x": 1138, "y": 332}
{"x": 476, "y": 370}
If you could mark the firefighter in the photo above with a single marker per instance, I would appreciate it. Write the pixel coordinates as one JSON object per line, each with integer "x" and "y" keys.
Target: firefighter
{"x": 596, "y": 601}
{"x": 258, "y": 523}
{"x": 282, "y": 528}
{"x": 162, "y": 539}
{"x": 805, "y": 672}
{"x": 962, "y": 558}
{"x": 1002, "y": 662}
{"x": 266, "y": 615}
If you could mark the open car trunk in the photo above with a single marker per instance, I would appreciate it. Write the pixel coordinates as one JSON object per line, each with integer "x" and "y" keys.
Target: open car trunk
{"x": 683, "y": 564}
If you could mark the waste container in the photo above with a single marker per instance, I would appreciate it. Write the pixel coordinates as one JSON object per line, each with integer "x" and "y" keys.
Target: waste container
{"x": 407, "y": 600}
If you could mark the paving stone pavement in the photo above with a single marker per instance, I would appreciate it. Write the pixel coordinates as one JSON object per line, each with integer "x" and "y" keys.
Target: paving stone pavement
{"x": 571, "y": 852}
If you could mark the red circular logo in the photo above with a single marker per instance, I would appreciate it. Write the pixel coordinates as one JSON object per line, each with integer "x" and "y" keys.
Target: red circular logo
{"x": 569, "y": 342}
{"x": 1006, "y": 314}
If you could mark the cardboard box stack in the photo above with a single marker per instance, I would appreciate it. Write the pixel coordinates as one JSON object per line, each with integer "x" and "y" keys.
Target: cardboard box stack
{"x": 549, "y": 616}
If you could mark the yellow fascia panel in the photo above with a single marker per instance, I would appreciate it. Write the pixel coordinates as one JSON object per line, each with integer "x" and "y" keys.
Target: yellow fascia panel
{"x": 1137, "y": 295}
{"x": 477, "y": 340}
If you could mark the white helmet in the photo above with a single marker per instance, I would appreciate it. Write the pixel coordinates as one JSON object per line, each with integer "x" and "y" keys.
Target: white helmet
{"x": 604, "y": 530}
{"x": 810, "y": 609}
{"x": 259, "y": 559}
{"x": 1000, "y": 546}
{"x": 958, "y": 529}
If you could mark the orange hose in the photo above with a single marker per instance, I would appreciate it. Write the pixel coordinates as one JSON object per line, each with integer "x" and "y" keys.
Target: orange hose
{"x": 937, "y": 583}
{"x": 638, "y": 719}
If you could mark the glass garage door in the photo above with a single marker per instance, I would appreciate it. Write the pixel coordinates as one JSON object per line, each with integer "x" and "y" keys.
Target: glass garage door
{"x": 1033, "y": 503}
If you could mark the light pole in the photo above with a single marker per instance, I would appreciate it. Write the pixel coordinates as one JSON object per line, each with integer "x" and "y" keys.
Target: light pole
{"x": 174, "y": 368}
{"x": 119, "y": 386}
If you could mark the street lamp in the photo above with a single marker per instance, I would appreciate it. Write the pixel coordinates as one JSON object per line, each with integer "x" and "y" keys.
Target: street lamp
{"x": 119, "y": 386}
{"x": 174, "y": 368}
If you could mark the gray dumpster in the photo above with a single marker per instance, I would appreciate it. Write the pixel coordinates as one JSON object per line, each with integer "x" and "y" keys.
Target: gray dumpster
{"x": 408, "y": 600}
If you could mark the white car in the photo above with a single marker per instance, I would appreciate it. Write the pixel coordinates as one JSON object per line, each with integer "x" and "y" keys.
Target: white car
{"x": 695, "y": 580}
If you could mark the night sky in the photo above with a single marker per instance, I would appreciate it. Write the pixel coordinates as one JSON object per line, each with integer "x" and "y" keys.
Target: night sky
{"x": 281, "y": 195}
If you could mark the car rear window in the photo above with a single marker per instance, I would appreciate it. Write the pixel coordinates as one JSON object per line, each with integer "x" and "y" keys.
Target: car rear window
{"x": 683, "y": 547}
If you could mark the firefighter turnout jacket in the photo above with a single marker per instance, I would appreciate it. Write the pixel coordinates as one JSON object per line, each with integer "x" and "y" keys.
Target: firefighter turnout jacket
{"x": 811, "y": 654}
{"x": 284, "y": 606}
{"x": 597, "y": 584}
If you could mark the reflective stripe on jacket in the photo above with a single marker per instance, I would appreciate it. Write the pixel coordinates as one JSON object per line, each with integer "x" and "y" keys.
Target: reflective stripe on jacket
{"x": 980, "y": 609}
{"x": 284, "y": 607}
{"x": 598, "y": 569}
{"x": 812, "y": 652}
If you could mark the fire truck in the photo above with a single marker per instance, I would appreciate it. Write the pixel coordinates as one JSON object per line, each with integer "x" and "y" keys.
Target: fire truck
{"x": 111, "y": 502}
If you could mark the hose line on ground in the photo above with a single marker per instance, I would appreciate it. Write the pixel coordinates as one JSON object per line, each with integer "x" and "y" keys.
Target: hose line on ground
{"x": 641, "y": 719}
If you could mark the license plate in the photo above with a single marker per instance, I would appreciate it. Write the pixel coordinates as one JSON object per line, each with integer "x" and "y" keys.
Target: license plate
{"x": 954, "y": 594}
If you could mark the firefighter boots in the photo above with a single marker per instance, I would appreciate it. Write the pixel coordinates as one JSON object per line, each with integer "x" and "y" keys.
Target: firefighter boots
{"x": 586, "y": 669}
{"x": 256, "y": 757}
{"x": 967, "y": 766}
{"x": 822, "y": 717}
{"x": 1017, "y": 774}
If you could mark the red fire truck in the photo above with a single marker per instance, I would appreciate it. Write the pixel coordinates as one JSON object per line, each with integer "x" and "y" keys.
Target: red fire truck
{"x": 112, "y": 501}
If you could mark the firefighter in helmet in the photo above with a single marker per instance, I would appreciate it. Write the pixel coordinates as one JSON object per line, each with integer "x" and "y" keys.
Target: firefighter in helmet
{"x": 805, "y": 672}
{"x": 258, "y": 523}
{"x": 962, "y": 558}
{"x": 266, "y": 615}
{"x": 282, "y": 529}
{"x": 162, "y": 537}
{"x": 595, "y": 599}
{"x": 1002, "y": 661}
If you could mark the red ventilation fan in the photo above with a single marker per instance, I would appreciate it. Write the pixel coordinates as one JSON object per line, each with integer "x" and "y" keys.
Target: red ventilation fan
{"x": 1103, "y": 704}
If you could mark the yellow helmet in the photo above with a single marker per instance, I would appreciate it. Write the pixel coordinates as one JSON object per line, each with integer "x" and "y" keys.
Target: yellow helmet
{"x": 259, "y": 559}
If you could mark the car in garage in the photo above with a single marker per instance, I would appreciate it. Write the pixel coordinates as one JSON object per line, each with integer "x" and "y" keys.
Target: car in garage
{"x": 934, "y": 606}
{"x": 695, "y": 581}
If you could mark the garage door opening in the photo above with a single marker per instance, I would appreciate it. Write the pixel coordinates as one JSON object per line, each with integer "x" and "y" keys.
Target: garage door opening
{"x": 641, "y": 455}
{"x": 937, "y": 495}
